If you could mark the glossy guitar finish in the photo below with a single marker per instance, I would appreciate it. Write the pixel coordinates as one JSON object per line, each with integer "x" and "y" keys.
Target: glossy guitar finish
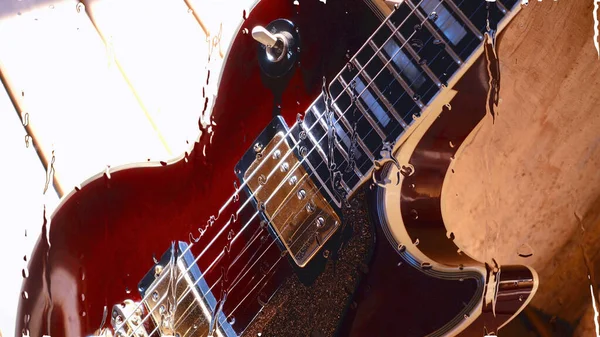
{"x": 101, "y": 240}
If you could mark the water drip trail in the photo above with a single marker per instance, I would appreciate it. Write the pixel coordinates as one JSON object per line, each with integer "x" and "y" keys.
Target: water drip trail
{"x": 243, "y": 184}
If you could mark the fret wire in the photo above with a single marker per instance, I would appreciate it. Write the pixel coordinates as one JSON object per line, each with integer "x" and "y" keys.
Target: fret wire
{"x": 396, "y": 75}
{"x": 362, "y": 108}
{"x": 433, "y": 31}
{"x": 315, "y": 173}
{"x": 337, "y": 144}
{"x": 501, "y": 6}
{"x": 317, "y": 145}
{"x": 464, "y": 18}
{"x": 414, "y": 54}
{"x": 359, "y": 140}
{"x": 379, "y": 94}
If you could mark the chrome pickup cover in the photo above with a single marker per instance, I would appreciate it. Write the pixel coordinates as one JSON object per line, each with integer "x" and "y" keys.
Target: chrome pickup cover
{"x": 288, "y": 197}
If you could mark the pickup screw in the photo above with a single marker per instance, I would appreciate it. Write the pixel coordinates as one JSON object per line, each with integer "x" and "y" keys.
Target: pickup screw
{"x": 301, "y": 194}
{"x": 258, "y": 147}
{"x": 119, "y": 320}
{"x": 155, "y": 296}
{"x": 277, "y": 154}
{"x": 293, "y": 180}
{"x": 285, "y": 167}
{"x": 320, "y": 222}
{"x": 158, "y": 270}
{"x": 310, "y": 207}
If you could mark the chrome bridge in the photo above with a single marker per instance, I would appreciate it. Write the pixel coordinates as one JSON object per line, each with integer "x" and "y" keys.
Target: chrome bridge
{"x": 196, "y": 305}
{"x": 280, "y": 183}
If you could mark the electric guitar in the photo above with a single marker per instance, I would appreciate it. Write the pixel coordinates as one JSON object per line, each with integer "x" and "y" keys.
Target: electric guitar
{"x": 310, "y": 205}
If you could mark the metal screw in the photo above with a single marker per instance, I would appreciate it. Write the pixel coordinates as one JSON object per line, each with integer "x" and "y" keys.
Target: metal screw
{"x": 301, "y": 194}
{"x": 155, "y": 296}
{"x": 320, "y": 222}
{"x": 310, "y": 207}
{"x": 119, "y": 320}
{"x": 276, "y": 154}
{"x": 158, "y": 270}
{"x": 258, "y": 147}
{"x": 285, "y": 167}
{"x": 293, "y": 180}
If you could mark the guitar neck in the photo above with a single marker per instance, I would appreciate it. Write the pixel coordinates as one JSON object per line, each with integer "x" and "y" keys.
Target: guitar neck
{"x": 377, "y": 98}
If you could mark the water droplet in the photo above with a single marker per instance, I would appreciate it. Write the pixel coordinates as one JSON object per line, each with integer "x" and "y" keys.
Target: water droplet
{"x": 231, "y": 320}
{"x": 127, "y": 290}
{"x": 450, "y": 235}
{"x": 82, "y": 297}
{"x": 461, "y": 267}
{"x": 303, "y": 151}
{"x": 416, "y": 43}
{"x": 27, "y": 139}
{"x": 244, "y": 14}
{"x": 418, "y": 27}
{"x": 80, "y": 7}
{"x": 451, "y": 144}
{"x": 401, "y": 248}
{"x": 326, "y": 253}
{"x": 525, "y": 251}
{"x": 426, "y": 265}
{"x": 25, "y": 295}
{"x": 190, "y": 11}
{"x": 414, "y": 214}
{"x": 26, "y": 318}
{"x": 416, "y": 242}
{"x": 83, "y": 313}
{"x": 416, "y": 97}
{"x": 25, "y": 258}
{"x": 81, "y": 274}
{"x": 296, "y": 2}
{"x": 51, "y": 6}
{"x": 230, "y": 235}
{"x": 25, "y": 272}
{"x": 433, "y": 16}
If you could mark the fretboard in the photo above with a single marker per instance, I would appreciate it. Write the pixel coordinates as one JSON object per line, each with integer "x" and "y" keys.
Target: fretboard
{"x": 397, "y": 73}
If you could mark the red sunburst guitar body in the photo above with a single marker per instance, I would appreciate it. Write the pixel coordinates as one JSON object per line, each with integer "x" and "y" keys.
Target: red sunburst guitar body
{"x": 208, "y": 244}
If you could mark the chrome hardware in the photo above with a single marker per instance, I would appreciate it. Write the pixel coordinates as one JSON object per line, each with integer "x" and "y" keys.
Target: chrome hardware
{"x": 298, "y": 212}
{"x": 126, "y": 320}
{"x": 263, "y": 36}
{"x": 196, "y": 304}
{"x": 301, "y": 194}
{"x": 276, "y": 44}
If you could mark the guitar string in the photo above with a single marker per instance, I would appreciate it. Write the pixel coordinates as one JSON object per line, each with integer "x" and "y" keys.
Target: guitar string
{"x": 337, "y": 121}
{"x": 382, "y": 69}
{"x": 238, "y": 190}
{"x": 378, "y": 73}
{"x": 255, "y": 171}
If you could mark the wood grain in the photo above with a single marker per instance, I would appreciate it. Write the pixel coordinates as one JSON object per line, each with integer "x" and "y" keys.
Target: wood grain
{"x": 524, "y": 176}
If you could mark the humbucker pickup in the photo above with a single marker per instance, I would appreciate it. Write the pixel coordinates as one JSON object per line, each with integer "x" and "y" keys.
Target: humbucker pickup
{"x": 280, "y": 183}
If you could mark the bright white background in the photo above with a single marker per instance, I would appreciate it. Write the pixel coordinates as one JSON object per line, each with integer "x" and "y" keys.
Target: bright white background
{"x": 117, "y": 82}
